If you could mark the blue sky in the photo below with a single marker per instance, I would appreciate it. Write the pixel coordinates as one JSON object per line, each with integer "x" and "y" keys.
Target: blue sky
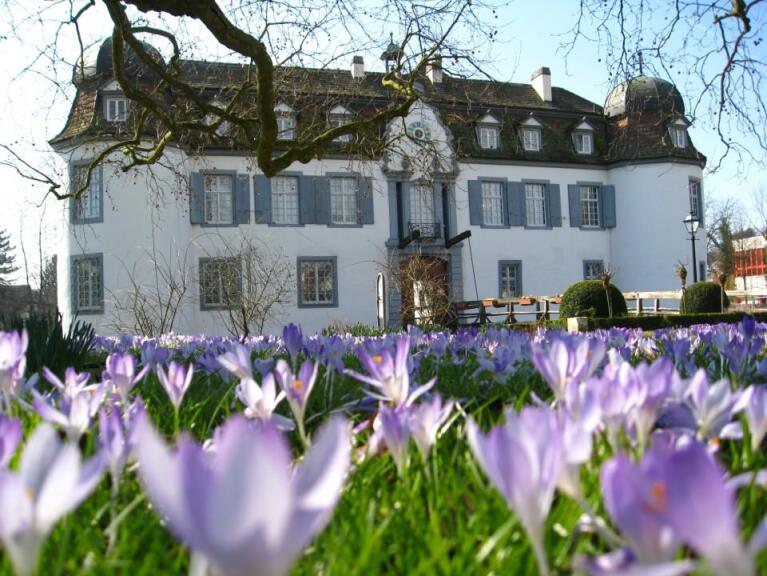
{"x": 531, "y": 35}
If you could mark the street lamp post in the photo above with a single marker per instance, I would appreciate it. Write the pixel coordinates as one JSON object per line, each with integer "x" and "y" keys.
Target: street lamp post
{"x": 691, "y": 223}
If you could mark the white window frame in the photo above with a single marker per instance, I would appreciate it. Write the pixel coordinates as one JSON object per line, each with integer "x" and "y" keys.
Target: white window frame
{"x": 214, "y": 276}
{"x": 589, "y": 199}
{"x": 694, "y": 193}
{"x": 584, "y": 142}
{"x": 286, "y": 206}
{"x": 509, "y": 270}
{"x": 678, "y": 136}
{"x": 88, "y": 284}
{"x": 218, "y": 201}
{"x": 338, "y": 117}
{"x": 89, "y": 206}
{"x": 531, "y": 138}
{"x": 344, "y": 200}
{"x": 593, "y": 269}
{"x": 492, "y": 203}
{"x": 317, "y": 282}
{"x": 422, "y": 204}
{"x": 488, "y": 136}
{"x": 536, "y": 211}
{"x": 286, "y": 122}
{"x": 116, "y": 108}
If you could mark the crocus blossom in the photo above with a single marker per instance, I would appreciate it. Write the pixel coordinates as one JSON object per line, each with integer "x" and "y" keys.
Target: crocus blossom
{"x": 77, "y": 405}
{"x": 13, "y": 362}
{"x": 567, "y": 361}
{"x": 240, "y": 506}
{"x": 389, "y": 375}
{"x": 297, "y": 388}
{"x": 522, "y": 459}
{"x": 121, "y": 373}
{"x": 756, "y": 415}
{"x": 176, "y": 382}
{"x": 52, "y": 480}
{"x": 392, "y": 423}
{"x": 426, "y": 420}
{"x": 10, "y": 436}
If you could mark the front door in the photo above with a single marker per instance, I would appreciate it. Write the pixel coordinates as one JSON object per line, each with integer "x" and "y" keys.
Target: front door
{"x": 423, "y": 281}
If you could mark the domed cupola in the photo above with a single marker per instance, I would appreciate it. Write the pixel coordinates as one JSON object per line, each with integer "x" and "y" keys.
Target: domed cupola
{"x": 644, "y": 95}
{"x": 96, "y": 62}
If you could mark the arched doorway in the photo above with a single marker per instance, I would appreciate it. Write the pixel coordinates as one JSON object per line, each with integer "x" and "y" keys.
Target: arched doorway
{"x": 424, "y": 290}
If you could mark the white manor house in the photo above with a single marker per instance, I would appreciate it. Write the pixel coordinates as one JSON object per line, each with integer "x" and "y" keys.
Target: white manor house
{"x": 553, "y": 188}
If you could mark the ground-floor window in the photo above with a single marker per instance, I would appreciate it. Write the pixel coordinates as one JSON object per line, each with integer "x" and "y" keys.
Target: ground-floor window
{"x": 220, "y": 282}
{"x": 593, "y": 269}
{"x": 88, "y": 284}
{"x": 317, "y": 281}
{"x": 510, "y": 278}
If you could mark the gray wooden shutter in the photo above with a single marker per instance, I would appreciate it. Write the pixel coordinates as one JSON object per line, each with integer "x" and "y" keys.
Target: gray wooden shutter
{"x": 365, "y": 191}
{"x": 700, "y": 203}
{"x": 263, "y": 202}
{"x": 475, "y": 202}
{"x": 322, "y": 200}
{"x": 516, "y": 194}
{"x": 242, "y": 200}
{"x": 608, "y": 206}
{"x": 393, "y": 211}
{"x": 405, "y": 208}
{"x": 196, "y": 198}
{"x": 574, "y": 203}
{"x": 307, "y": 203}
{"x": 554, "y": 202}
{"x": 438, "y": 211}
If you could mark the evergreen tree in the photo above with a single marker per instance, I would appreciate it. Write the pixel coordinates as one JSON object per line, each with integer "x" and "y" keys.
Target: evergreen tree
{"x": 7, "y": 257}
{"x": 727, "y": 250}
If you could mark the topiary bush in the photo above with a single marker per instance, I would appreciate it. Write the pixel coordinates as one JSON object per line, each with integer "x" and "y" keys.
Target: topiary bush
{"x": 588, "y": 298}
{"x": 703, "y": 297}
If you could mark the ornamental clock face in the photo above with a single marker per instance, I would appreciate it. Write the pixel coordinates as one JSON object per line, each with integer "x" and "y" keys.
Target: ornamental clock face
{"x": 419, "y": 130}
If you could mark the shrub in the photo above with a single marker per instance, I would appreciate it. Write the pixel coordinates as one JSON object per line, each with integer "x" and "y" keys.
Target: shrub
{"x": 703, "y": 297}
{"x": 587, "y": 298}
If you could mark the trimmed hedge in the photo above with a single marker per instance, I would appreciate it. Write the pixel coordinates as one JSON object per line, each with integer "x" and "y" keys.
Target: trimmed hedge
{"x": 702, "y": 298}
{"x": 670, "y": 320}
{"x": 587, "y": 298}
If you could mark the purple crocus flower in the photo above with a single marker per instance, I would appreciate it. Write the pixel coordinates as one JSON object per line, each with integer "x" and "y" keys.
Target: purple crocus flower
{"x": 52, "y": 480}
{"x": 392, "y": 424}
{"x": 77, "y": 404}
{"x": 261, "y": 401}
{"x": 426, "y": 420}
{"x": 756, "y": 415}
{"x": 389, "y": 376}
{"x": 238, "y": 362}
{"x": 176, "y": 382}
{"x": 117, "y": 437}
{"x": 293, "y": 340}
{"x": 13, "y": 362}
{"x": 121, "y": 373}
{"x": 297, "y": 389}
{"x": 712, "y": 405}
{"x": 10, "y": 436}
{"x": 567, "y": 361}
{"x": 152, "y": 354}
{"x": 523, "y": 460}
{"x": 240, "y": 506}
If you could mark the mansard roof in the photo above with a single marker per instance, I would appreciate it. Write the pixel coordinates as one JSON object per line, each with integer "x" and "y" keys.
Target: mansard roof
{"x": 461, "y": 102}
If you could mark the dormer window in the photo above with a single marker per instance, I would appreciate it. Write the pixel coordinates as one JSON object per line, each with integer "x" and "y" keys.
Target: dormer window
{"x": 488, "y": 130}
{"x": 678, "y": 136}
{"x": 338, "y": 117}
{"x": 583, "y": 139}
{"x": 531, "y": 135}
{"x": 286, "y": 122}
{"x": 116, "y": 109}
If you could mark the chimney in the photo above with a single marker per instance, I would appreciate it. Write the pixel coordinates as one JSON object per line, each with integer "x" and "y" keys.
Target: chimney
{"x": 358, "y": 68}
{"x": 434, "y": 70}
{"x": 541, "y": 80}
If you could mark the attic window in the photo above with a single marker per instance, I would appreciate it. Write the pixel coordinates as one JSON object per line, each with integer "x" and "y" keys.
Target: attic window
{"x": 338, "y": 117}
{"x": 286, "y": 122}
{"x": 531, "y": 138}
{"x": 583, "y": 141}
{"x": 487, "y": 133}
{"x": 116, "y": 109}
{"x": 678, "y": 135}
